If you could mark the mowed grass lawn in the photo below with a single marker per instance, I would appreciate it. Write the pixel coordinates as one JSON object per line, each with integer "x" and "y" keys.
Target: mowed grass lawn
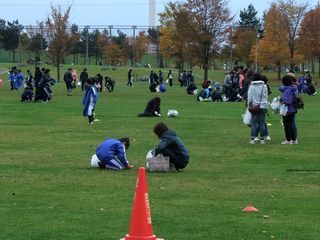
{"x": 49, "y": 191}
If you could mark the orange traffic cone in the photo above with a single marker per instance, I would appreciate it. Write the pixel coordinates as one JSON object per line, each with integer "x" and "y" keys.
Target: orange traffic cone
{"x": 250, "y": 208}
{"x": 140, "y": 224}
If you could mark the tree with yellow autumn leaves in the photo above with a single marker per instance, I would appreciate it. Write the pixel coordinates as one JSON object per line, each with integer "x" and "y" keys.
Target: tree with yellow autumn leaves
{"x": 309, "y": 42}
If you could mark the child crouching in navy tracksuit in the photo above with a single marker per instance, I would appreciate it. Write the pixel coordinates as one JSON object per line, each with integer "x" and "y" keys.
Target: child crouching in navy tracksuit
{"x": 90, "y": 99}
{"x": 111, "y": 154}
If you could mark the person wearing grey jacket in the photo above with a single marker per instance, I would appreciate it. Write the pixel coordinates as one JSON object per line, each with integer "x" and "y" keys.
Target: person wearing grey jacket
{"x": 258, "y": 95}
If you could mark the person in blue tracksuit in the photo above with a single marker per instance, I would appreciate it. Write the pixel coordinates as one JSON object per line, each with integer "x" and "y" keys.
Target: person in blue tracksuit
{"x": 19, "y": 77}
{"x": 89, "y": 100}
{"x": 111, "y": 154}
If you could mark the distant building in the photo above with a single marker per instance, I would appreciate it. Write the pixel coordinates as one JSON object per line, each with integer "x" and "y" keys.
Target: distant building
{"x": 152, "y": 48}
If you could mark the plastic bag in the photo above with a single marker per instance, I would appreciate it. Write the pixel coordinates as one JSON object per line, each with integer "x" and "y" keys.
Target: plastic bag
{"x": 283, "y": 110}
{"x": 157, "y": 163}
{"x": 275, "y": 105}
{"x": 173, "y": 113}
{"x": 247, "y": 118}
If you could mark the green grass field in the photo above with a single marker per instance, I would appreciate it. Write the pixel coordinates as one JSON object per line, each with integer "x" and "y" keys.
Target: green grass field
{"x": 48, "y": 190}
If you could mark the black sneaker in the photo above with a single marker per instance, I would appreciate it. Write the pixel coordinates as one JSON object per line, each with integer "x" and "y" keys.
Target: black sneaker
{"x": 101, "y": 165}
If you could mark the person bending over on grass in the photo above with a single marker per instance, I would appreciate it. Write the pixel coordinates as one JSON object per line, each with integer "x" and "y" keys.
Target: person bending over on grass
{"x": 152, "y": 108}
{"x": 111, "y": 154}
{"x": 171, "y": 146}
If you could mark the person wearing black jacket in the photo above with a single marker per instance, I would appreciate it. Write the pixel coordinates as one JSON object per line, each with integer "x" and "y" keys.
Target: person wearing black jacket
{"x": 83, "y": 78}
{"x": 130, "y": 78}
{"x": 152, "y": 108}
{"x": 68, "y": 80}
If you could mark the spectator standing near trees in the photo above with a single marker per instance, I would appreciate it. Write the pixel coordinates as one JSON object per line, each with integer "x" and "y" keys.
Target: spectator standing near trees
{"x": 130, "y": 78}
{"x": 170, "y": 78}
{"x": 83, "y": 78}
{"x": 289, "y": 90}
{"x": 258, "y": 96}
{"x": 68, "y": 80}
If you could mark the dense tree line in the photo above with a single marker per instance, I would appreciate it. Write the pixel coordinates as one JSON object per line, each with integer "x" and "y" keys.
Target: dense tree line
{"x": 198, "y": 32}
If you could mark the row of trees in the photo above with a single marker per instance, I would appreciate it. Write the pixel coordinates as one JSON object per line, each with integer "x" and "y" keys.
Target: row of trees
{"x": 194, "y": 32}
{"x": 58, "y": 39}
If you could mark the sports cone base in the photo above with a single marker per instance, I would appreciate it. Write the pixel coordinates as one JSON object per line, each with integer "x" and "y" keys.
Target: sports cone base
{"x": 141, "y": 238}
{"x": 250, "y": 208}
{"x": 140, "y": 224}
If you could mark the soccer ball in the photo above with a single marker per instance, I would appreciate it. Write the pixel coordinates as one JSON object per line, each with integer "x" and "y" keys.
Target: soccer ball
{"x": 163, "y": 88}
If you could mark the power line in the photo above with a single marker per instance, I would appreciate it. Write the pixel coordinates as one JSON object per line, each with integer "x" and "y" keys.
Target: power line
{"x": 131, "y": 3}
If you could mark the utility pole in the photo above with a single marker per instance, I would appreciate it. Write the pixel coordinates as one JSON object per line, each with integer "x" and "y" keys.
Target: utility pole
{"x": 87, "y": 49}
{"x": 133, "y": 45}
{"x": 231, "y": 46}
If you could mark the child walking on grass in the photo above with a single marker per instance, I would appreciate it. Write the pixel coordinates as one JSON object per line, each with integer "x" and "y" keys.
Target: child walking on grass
{"x": 90, "y": 99}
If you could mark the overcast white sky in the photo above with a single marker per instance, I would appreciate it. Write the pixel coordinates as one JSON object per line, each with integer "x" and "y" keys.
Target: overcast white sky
{"x": 103, "y": 12}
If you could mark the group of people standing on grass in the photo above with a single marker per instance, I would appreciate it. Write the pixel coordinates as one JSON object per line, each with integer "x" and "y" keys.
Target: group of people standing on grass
{"x": 257, "y": 98}
{"x": 41, "y": 82}
{"x": 71, "y": 80}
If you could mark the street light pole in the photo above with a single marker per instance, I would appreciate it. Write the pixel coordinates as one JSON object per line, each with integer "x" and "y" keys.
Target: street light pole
{"x": 87, "y": 49}
{"x": 256, "y": 60}
{"x": 231, "y": 46}
{"x": 20, "y": 59}
{"x": 257, "y": 42}
{"x": 133, "y": 45}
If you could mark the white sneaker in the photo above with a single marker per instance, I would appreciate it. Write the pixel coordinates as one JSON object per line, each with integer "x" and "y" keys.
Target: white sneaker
{"x": 252, "y": 141}
{"x": 268, "y": 138}
{"x": 286, "y": 142}
{"x": 295, "y": 142}
{"x": 256, "y": 139}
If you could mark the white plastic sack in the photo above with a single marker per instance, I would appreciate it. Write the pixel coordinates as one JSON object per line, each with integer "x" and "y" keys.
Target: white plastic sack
{"x": 157, "y": 163}
{"x": 247, "y": 118}
{"x": 173, "y": 113}
{"x": 94, "y": 161}
{"x": 275, "y": 105}
{"x": 283, "y": 110}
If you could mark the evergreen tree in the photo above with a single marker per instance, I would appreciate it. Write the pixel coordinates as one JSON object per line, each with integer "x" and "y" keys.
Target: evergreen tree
{"x": 249, "y": 19}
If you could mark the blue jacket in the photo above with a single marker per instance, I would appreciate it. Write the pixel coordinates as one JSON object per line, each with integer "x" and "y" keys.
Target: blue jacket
{"x": 90, "y": 97}
{"x": 112, "y": 149}
{"x": 287, "y": 97}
